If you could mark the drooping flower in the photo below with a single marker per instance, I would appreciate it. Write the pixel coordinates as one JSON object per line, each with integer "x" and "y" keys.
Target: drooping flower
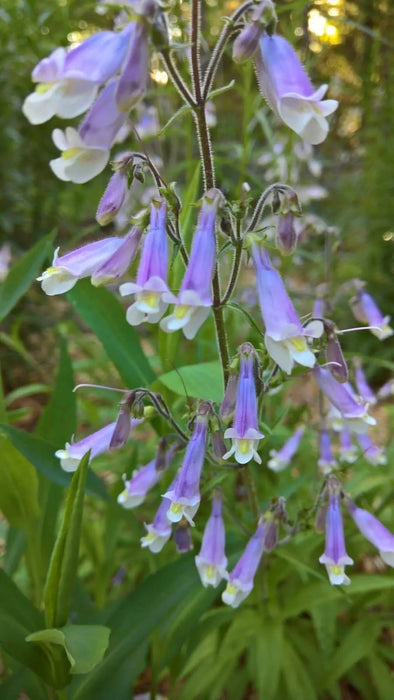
{"x": 183, "y": 537}
{"x": 97, "y": 442}
{"x": 115, "y": 192}
{"x": 134, "y": 77}
{"x": 352, "y": 409}
{"x": 336, "y": 362}
{"x": 280, "y": 459}
{"x": 374, "y": 531}
{"x": 285, "y": 337}
{"x": 373, "y": 454}
{"x": 362, "y": 385}
{"x": 366, "y": 311}
{"x": 240, "y": 580}
{"x": 211, "y": 562}
{"x": 327, "y": 461}
{"x": 244, "y": 433}
{"x": 289, "y": 92}
{"x": 387, "y": 390}
{"x": 184, "y": 492}
{"x": 143, "y": 480}
{"x": 335, "y": 557}
{"x": 159, "y": 531}
{"x": 193, "y": 303}
{"x": 151, "y": 283}
{"x": 347, "y": 450}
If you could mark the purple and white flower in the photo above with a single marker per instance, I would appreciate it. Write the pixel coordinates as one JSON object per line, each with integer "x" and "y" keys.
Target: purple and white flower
{"x": 97, "y": 442}
{"x": 373, "y": 454}
{"x": 289, "y": 92}
{"x": 335, "y": 557}
{"x": 387, "y": 390}
{"x": 159, "y": 531}
{"x": 366, "y": 311}
{"x": 240, "y": 580}
{"x": 117, "y": 264}
{"x": 244, "y": 433}
{"x": 280, "y": 459}
{"x": 347, "y": 450}
{"x": 327, "y": 461}
{"x": 374, "y": 531}
{"x": 151, "y": 283}
{"x": 285, "y": 337}
{"x": 133, "y": 80}
{"x": 193, "y": 303}
{"x": 115, "y": 192}
{"x": 352, "y": 409}
{"x": 184, "y": 492}
{"x": 142, "y": 481}
{"x": 362, "y": 385}
{"x": 212, "y": 561}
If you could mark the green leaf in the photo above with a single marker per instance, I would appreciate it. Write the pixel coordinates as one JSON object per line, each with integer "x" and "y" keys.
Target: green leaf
{"x": 19, "y": 486}
{"x": 58, "y": 421}
{"x": 355, "y": 645}
{"x": 85, "y": 645}
{"x": 382, "y": 677}
{"x": 267, "y": 646}
{"x": 60, "y": 581}
{"x": 103, "y": 313}
{"x": 296, "y": 675}
{"x": 132, "y": 623}
{"x": 42, "y": 455}
{"x": 22, "y": 274}
{"x": 202, "y": 381}
{"x": 18, "y": 619}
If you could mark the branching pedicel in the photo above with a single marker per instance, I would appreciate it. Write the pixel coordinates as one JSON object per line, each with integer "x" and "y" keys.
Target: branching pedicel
{"x": 107, "y": 75}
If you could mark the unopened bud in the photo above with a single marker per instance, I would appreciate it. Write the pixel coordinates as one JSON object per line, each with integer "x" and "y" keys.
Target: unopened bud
{"x": 218, "y": 444}
{"x": 334, "y": 355}
{"x": 113, "y": 198}
{"x": 227, "y": 407}
{"x": 321, "y": 518}
{"x": 247, "y": 42}
{"x": 122, "y": 427}
{"x": 182, "y": 537}
{"x": 286, "y": 236}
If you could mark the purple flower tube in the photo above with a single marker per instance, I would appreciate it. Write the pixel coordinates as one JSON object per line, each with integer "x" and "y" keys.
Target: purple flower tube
{"x": 289, "y": 92}
{"x": 134, "y": 76}
{"x": 347, "y": 450}
{"x": 184, "y": 492}
{"x": 142, "y": 481}
{"x": 159, "y": 531}
{"x": 362, "y": 385}
{"x": 285, "y": 337}
{"x": 151, "y": 283}
{"x": 353, "y": 411}
{"x": 374, "y": 531}
{"x": 327, "y": 461}
{"x": 117, "y": 264}
{"x": 244, "y": 433}
{"x": 280, "y": 459}
{"x": 193, "y": 303}
{"x": 212, "y": 561}
{"x": 335, "y": 557}
{"x": 373, "y": 454}
{"x": 240, "y": 581}
{"x": 366, "y": 311}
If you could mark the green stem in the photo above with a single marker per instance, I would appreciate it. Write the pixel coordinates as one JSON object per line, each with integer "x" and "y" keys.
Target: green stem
{"x": 253, "y": 497}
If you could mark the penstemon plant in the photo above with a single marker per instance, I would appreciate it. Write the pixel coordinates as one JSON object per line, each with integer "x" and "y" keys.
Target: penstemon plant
{"x": 210, "y": 446}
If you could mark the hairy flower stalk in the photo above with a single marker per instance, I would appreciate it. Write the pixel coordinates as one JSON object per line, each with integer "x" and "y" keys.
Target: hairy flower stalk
{"x": 240, "y": 580}
{"x": 184, "y": 492}
{"x": 193, "y": 303}
{"x": 244, "y": 433}
{"x": 285, "y": 337}
{"x": 289, "y": 92}
{"x": 98, "y": 442}
{"x": 366, "y": 311}
{"x": 151, "y": 284}
{"x": 353, "y": 411}
{"x": 211, "y": 562}
{"x": 335, "y": 557}
{"x": 159, "y": 531}
{"x": 280, "y": 459}
{"x": 374, "y": 531}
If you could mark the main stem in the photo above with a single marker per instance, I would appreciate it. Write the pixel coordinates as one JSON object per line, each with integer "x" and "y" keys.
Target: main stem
{"x": 204, "y": 144}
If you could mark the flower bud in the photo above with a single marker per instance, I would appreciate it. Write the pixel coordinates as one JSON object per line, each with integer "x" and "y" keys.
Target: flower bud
{"x": 286, "y": 236}
{"x": 247, "y": 42}
{"x": 182, "y": 538}
{"x": 227, "y": 407}
{"x": 334, "y": 355}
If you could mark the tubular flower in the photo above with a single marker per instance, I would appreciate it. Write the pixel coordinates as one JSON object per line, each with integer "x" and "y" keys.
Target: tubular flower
{"x": 151, "y": 283}
{"x": 194, "y": 300}
{"x": 285, "y": 338}
{"x": 244, "y": 433}
{"x": 366, "y": 311}
{"x": 373, "y": 454}
{"x": 289, "y": 92}
{"x": 159, "y": 531}
{"x": 362, "y": 385}
{"x": 240, "y": 581}
{"x": 281, "y": 459}
{"x": 142, "y": 481}
{"x": 335, "y": 557}
{"x": 353, "y": 411}
{"x": 134, "y": 77}
{"x": 98, "y": 442}
{"x": 115, "y": 192}
{"x": 116, "y": 265}
{"x": 347, "y": 450}
{"x": 327, "y": 460}
{"x": 212, "y": 561}
{"x": 374, "y": 531}
{"x": 184, "y": 492}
